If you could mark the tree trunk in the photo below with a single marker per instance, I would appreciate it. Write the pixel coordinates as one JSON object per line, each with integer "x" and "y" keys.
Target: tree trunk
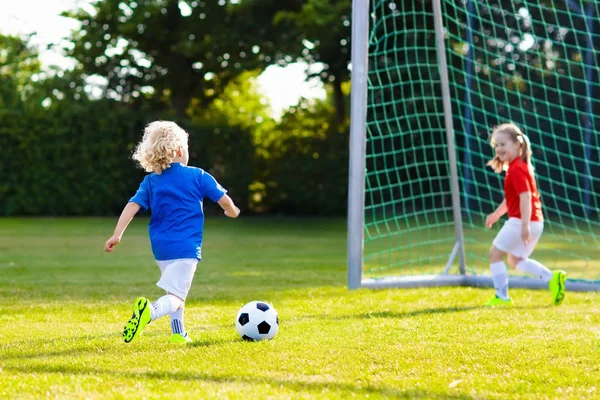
{"x": 338, "y": 98}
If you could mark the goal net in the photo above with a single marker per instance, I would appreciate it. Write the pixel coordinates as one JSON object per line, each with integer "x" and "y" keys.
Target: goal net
{"x": 427, "y": 87}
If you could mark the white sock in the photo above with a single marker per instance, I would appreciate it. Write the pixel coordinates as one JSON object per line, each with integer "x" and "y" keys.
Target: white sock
{"x": 165, "y": 305}
{"x": 500, "y": 279}
{"x": 177, "y": 321}
{"x": 534, "y": 268}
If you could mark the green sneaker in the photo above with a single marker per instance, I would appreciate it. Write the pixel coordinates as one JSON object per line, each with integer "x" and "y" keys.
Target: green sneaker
{"x": 139, "y": 319}
{"x": 499, "y": 302}
{"x": 180, "y": 339}
{"x": 557, "y": 286}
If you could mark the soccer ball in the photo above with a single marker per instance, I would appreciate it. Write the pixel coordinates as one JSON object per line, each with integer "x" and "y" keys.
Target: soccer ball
{"x": 257, "y": 320}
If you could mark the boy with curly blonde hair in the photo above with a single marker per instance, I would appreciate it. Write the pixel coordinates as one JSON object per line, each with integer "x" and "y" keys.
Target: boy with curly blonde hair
{"x": 175, "y": 193}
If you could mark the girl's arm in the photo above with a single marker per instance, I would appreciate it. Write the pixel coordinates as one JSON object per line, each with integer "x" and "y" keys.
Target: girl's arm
{"x": 525, "y": 206}
{"x": 126, "y": 216}
{"x": 502, "y": 209}
{"x": 495, "y": 216}
{"x": 227, "y": 205}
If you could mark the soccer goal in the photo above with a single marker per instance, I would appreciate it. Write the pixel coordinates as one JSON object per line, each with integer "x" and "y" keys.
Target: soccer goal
{"x": 429, "y": 80}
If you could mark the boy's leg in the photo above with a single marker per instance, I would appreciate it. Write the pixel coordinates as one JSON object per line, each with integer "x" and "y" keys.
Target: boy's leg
{"x": 144, "y": 313}
{"x": 177, "y": 279}
{"x": 178, "y": 328}
{"x": 177, "y": 321}
{"x": 167, "y": 304}
{"x": 140, "y": 318}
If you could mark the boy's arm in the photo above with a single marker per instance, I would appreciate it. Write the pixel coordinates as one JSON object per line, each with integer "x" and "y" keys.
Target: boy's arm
{"x": 227, "y": 205}
{"x": 126, "y": 216}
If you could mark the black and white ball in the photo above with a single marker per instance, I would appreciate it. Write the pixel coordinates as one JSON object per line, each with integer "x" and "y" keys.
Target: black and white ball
{"x": 257, "y": 320}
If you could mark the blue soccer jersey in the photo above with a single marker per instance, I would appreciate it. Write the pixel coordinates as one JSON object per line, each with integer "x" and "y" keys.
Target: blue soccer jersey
{"x": 175, "y": 199}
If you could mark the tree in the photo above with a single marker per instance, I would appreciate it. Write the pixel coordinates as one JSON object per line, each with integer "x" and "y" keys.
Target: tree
{"x": 176, "y": 49}
{"x": 321, "y": 33}
{"x": 19, "y": 67}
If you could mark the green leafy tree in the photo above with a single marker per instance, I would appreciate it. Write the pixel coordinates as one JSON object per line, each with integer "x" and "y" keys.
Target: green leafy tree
{"x": 19, "y": 69}
{"x": 319, "y": 31}
{"x": 177, "y": 49}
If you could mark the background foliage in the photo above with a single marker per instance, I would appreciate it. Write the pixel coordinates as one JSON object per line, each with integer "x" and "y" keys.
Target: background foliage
{"x": 65, "y": 152}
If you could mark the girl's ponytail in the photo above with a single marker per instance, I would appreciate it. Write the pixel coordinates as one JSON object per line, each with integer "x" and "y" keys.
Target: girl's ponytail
{"x": 526, "y": 153}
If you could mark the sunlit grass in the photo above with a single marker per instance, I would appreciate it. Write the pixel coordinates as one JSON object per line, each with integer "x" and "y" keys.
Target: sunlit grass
{"x": 63, "y": 303}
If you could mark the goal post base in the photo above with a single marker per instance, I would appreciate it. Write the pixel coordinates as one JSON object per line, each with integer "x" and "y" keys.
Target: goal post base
{"x": 417, "y": 281}
{"x": 423, "y": 281}
{"x": 572, "y": 285}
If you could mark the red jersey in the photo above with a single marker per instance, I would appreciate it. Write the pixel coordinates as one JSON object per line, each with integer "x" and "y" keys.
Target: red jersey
{"x": 520, "y": 179}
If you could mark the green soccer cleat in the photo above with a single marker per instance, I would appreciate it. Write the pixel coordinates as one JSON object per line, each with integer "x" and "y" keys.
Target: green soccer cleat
{"x": 499, "y": 302}
{"x": 139, "y": 319}
{"x": 557, "y": 286}
{"x": 180, "y": 339}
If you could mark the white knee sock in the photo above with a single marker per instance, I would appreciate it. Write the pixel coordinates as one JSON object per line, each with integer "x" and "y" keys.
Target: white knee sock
{"x": 165, "y": 305}
{"x": 500, "y": 279}
{"x": 177, "y": 321}
{"x": 534, "y": 268}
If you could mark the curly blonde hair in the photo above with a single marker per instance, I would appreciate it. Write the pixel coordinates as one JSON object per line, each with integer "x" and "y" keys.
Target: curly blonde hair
{"x": 160, "y": 145}
{"x": 516, "y": 135}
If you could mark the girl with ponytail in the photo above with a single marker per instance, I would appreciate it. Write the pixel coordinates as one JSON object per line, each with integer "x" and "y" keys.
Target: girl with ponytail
{"x": 522, "y": 231}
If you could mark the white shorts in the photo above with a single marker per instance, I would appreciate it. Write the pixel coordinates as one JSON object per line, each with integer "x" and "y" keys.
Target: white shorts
{"x": 176, "y": 275}
{"x": 509, "y": 238}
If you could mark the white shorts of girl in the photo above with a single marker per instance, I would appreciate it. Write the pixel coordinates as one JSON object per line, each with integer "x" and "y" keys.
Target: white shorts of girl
{"x": 176, "y": 275}
{"x": 509, "y": 238}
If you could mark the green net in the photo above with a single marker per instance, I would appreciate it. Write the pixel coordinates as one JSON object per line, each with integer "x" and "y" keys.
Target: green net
{"x": 534, "y": 63}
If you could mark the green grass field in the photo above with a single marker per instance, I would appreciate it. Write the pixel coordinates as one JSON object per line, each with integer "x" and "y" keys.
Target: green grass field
{"x": 63, "y": 304}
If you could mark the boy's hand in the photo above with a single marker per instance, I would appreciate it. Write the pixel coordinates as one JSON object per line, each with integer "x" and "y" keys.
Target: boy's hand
{"x": 228, "y": 207}
{"x": 233, "y": 214}
{"x": 491, "y": 220}
{"x": 111, "y": 243}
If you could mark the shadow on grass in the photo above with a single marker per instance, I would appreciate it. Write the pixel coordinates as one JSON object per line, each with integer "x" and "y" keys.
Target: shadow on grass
{"x": 14, "y": 350}
{"x": 213, "y": 342}
{"x": 314, "y": 388}
{"x": 416, "y": 313}
{"x": 101, "y": 343}
{"x": 394, "y": 314}
{"x": 65, "y": 340}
